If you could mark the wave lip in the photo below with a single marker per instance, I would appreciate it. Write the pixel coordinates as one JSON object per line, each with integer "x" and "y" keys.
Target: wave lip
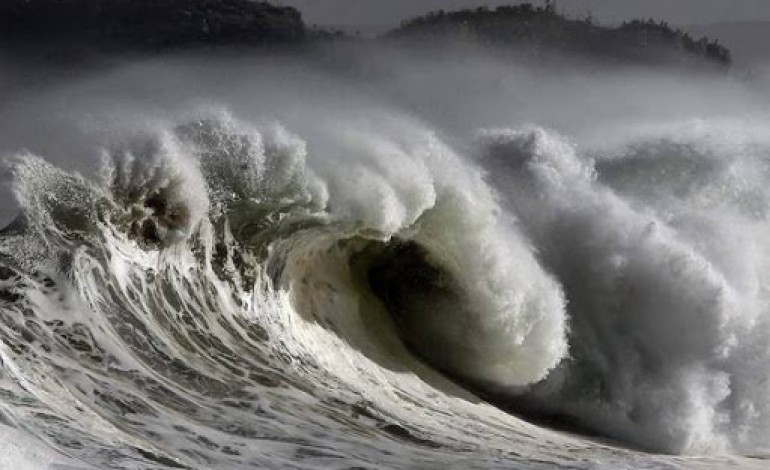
{"x": 509, "y": 328}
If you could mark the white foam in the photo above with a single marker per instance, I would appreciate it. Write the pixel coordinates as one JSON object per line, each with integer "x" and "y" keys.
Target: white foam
{"x": 662, "y": 318}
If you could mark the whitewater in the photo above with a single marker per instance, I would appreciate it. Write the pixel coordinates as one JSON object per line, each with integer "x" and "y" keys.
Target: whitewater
{"x": 232, "y": 263}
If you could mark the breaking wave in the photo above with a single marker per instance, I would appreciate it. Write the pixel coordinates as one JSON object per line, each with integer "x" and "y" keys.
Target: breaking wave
{"x": 220, "y": 296}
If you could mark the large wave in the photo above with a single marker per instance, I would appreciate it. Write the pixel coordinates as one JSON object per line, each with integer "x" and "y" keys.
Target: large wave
{"x": 231, "y": 294}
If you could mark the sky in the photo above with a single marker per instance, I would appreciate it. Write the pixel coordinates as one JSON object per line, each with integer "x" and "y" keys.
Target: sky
{"x": 391, "y": 12}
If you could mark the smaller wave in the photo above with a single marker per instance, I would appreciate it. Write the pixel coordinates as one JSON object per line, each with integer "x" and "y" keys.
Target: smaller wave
{"x": 668, "y": 334}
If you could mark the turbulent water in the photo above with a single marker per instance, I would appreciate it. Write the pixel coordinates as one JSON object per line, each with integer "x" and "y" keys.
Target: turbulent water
{"x": 232, "y": 292}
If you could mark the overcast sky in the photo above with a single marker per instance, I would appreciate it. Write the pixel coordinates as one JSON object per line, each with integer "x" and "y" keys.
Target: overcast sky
{"x": 391, "y": 12}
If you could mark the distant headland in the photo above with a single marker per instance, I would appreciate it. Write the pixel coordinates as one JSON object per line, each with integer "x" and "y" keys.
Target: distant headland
{"x": 80, "y": 27}
{"x": 539, "y": 31}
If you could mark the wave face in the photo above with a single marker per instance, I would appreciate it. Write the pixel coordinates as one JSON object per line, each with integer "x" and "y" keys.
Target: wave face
{"x": 223, "y": 294}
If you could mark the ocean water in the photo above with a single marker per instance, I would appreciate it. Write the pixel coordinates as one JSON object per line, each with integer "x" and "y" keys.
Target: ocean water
{"x": 219, "y": 266}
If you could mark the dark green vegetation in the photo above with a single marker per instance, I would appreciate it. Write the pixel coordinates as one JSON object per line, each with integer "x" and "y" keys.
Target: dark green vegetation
{"x": 146, "y": 24}
{"x": 70, "y": 28}
{"x": 538, "y": 31}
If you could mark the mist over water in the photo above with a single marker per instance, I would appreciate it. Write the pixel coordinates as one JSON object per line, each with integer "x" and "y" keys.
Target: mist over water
{"x": 251, "y": 261}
